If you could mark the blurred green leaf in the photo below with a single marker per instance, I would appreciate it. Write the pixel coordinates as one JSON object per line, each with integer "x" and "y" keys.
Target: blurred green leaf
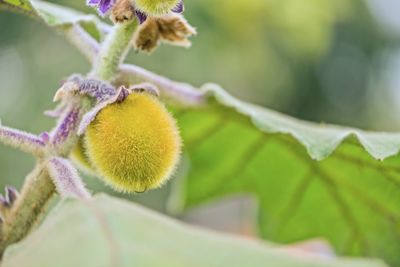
{"x": 311, "y": 180}
{"x": 23, "y": 5}
{"x": 55, "y": 15}
{"x": 112, "y": 232}
{"x": 310, "y": 23}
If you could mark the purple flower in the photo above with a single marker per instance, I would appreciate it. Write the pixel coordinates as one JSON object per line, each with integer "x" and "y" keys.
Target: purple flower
{"x": 179, "y": 8}
{"x": 103, "y": 6}
{"x": 140, "y": 16}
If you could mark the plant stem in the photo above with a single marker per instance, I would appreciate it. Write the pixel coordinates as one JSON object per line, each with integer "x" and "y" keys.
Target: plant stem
{"x": 176, "y": 92}
{"x": 114, "y": 50}
{"x": 35, "y": 194}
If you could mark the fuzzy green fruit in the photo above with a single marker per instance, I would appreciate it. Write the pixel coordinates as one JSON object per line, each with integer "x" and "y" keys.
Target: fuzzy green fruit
{"x": 156, "y": 7}
{"x": 135, "y": 144}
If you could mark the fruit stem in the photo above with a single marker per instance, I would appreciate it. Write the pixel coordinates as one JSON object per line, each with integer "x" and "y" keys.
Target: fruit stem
{"x": 114, "y": 50}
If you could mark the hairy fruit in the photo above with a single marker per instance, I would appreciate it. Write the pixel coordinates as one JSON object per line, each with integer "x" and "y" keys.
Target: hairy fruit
{"x": 156, "y": 7}
{"x": 134, "y": 144}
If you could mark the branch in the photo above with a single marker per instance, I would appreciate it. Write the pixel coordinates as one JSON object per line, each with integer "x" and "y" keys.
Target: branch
{"x": 182, "y": 93}
{"x": 35, "y": 194}
{"x": 23, "y": 141}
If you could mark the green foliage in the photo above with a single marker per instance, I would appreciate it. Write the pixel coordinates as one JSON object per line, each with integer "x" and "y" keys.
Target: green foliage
{"x": 310, "y": 23}
{"x": 111, "y": 232}
{"x": 345, "y": 195}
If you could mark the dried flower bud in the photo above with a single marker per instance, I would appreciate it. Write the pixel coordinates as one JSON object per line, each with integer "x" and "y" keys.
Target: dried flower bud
{"x": 123, "y": 10}
{"x": 173, "y": 29}
{"x": 147, "y": 36}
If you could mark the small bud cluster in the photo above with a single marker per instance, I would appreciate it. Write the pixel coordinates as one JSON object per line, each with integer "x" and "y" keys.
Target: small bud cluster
{"x": 161, "y": 21}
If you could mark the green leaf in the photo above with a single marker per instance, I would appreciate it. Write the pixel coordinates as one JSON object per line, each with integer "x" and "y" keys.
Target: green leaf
{"x": 111, "y": 232}
{"x": 311, "y": 180}
{"x": 55, "y": 15}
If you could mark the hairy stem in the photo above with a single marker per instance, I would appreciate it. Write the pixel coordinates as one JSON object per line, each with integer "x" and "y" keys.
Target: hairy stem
{"x": 23, "y": 141}
{"x": 177, "y": 92}
{"x": 35, "y": 194}
{"x": 114, "y": 50}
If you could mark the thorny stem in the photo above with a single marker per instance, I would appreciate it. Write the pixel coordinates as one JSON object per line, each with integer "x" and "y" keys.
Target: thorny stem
{"x": 114, "y": 50}
{"x": 38, "y": 187}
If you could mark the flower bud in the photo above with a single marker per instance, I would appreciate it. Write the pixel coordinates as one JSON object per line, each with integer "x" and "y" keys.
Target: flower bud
{"x": 123, "y": 10}
{"x": 134, "y": 144}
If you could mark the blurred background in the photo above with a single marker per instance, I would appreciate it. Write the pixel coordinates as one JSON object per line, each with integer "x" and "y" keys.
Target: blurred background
{"x": 333, "y": 61}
